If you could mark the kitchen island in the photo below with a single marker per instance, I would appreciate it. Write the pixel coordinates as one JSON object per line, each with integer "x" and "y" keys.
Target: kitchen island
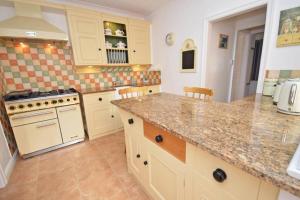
{"x": 248, "y": 134}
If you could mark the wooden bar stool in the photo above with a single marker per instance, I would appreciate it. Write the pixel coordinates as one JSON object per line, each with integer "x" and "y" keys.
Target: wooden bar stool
{"x": 198, "y": 92}
{"x": 132, "y": 92}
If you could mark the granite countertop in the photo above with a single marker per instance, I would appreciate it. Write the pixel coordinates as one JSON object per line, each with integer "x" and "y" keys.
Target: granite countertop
{"x": 112, "y": 88}
{"x": 248, "y": 133}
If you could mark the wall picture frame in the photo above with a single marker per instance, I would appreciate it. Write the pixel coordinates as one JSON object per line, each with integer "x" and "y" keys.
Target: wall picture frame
{"x": 223, "y": 41}
{"x": 289, "y": 28}
{"x": 188, "y": 56}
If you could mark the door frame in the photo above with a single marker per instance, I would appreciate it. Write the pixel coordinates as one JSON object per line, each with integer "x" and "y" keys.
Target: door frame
{"x": 233, "y": 12}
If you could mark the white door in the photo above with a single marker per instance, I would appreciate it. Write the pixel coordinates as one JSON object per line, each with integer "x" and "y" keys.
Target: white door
{"x": 70, "y": 122}
{"x": 5, "y": 156}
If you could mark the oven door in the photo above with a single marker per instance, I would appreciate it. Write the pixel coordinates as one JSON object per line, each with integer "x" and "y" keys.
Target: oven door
{"x": 70, "y": 121}
{"x": 37, "y": 136}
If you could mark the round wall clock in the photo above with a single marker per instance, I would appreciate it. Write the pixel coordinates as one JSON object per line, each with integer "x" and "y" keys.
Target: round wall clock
{"x": 170, "y": 39}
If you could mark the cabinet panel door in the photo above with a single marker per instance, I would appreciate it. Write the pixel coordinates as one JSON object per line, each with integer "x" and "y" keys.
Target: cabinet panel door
{"x": 86, "y": 39}
{"x": 117, "y": 119}
{"x": 99, "y": 121}
{"x": 70, "y": 122}
{"x": 37, "y": 136}
{"x": 139, "y": 42}
{"x": 165, "y": 174}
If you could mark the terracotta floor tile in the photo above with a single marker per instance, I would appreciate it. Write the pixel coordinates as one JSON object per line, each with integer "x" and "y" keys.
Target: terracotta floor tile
{"x": 92, "y": 170}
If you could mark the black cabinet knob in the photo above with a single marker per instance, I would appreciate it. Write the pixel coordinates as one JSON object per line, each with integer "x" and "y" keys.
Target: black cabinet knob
{"x": 134, "y": 51}
{"x": 112, "y": 116}
{"x": 130, "y": 121}
{"x": 145, "y": 162}
{"x": 99, "y": 49}
{"x": 150, "y": 91}
{"x": 159, "y": 138}
{"x": 100, "y": 99}
{"x": 219, "y": 175}
{"x": 138, "y": 155}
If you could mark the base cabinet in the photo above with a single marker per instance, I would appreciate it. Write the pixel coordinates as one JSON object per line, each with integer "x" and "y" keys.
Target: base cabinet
{"x": 165, "y": 174}
{"x": 199, "y": 177}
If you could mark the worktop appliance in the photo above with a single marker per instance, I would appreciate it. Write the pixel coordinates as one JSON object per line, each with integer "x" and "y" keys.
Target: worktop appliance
{"x": 44, "y": 121}
{"x": 289, "y": 99}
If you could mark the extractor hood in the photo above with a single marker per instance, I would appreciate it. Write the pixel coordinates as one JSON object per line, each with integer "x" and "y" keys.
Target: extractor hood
{"x": 29, "y": 23}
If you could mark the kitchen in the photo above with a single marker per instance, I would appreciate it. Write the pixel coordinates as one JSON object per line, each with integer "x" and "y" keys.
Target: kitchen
{"x": 73, "y": 130}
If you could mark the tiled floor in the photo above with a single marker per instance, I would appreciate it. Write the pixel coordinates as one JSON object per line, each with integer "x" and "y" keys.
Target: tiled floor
{"x": 93, "y": 170}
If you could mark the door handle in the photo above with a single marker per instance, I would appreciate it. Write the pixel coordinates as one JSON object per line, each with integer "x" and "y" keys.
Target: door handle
{"x": 67, "y": 109}
{"x": 292, "y": 95}
{"x": 45, "y": 125}
{"x": 31, "y": 115}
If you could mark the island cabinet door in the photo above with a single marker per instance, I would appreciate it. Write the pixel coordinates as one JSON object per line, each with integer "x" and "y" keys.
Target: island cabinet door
{"x": 133, "y": 127}
{"x": 165, "y": 174}
{"x": 210, "y": 178}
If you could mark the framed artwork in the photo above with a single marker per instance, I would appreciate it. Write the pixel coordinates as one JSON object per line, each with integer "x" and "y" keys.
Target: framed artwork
{"x": 289, "y": 27}
{"x": 223, "y": 41}
{"x": 188, "y": 56}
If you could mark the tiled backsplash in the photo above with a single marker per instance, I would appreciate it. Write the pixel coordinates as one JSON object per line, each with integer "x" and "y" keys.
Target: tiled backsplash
{"x": 42, "y": 66}
{"x": 275, "y": 74}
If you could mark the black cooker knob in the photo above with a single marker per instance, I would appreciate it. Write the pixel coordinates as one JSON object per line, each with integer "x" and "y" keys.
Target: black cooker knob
{"x": 68, "y": 99}
{"x": 29, "y": 105}
{"x": 60, "y": 100}
{"x": 46, "y": 102}
{"x": 54, "y": 101}
{"x": 38, "y": 104}
{"x": 21, "y": 106}
{"x": 219, "y": 175}
{"x": 74, "y": 98}
{"x": 12, "y": 107}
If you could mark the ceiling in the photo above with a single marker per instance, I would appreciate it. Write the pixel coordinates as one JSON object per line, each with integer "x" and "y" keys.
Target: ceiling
{"x": 142, "y": 7}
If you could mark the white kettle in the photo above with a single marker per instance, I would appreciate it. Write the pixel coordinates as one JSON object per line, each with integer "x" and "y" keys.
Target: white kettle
{"x": 289, "y": 98}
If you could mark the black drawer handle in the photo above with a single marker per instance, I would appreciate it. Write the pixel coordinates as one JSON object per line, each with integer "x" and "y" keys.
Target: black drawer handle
{"x": 219, "y": 175}
{"x": 159, "y": 138}
{"x": 100, "y": 99}
{"x": 145, "y": 162}
{"x": 138, "y": 155}
{"x": 130, "y": 121}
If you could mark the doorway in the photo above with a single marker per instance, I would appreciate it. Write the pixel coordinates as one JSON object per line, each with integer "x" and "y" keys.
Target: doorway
{"x": 232, "y": 65}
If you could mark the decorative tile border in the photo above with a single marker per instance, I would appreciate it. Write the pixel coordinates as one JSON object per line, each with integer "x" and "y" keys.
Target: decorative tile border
{"x": 40, "y": 66}
{"x": 276, "y": 74}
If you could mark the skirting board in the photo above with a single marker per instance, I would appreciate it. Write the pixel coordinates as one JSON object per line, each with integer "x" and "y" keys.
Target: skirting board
{"x": 8, "y": 170}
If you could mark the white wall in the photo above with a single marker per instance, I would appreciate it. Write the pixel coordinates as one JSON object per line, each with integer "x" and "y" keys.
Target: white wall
{"x": 219, "y": 60}
{"x": 186, "y": 20}
{"x": 219, "y": 68}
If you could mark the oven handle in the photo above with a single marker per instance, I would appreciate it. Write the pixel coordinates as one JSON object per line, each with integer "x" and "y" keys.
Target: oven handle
{"x": 32, "y": 115}
{"x": 67, "y": 109}
{"x": 44, "y": 125}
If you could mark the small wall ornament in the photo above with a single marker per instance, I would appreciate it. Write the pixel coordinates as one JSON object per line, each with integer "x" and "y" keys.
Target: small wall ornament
{"x": 188, "y": 56}
{"x": 170, "y": 39}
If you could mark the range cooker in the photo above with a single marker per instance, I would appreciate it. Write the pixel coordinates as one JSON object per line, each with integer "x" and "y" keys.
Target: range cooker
{"x": 44, "y": 121}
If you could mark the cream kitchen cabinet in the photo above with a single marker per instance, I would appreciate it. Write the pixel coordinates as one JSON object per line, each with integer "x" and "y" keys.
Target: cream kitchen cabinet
{"x": 139, "y": 42}
{"x": 70, "y": 121}
{"x": 101, "y": 117}
{"x": 86, "y": 37}
{"x": 165, "y": 174}
{"x": 170, "y": 169}
{"x": 133, "y": 127}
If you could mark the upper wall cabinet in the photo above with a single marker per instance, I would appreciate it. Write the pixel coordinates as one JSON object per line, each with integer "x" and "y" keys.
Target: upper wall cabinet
{"x": 101, "y": 39}
{"x": 139, "y": 42}
{"x": 86, "y": 38}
